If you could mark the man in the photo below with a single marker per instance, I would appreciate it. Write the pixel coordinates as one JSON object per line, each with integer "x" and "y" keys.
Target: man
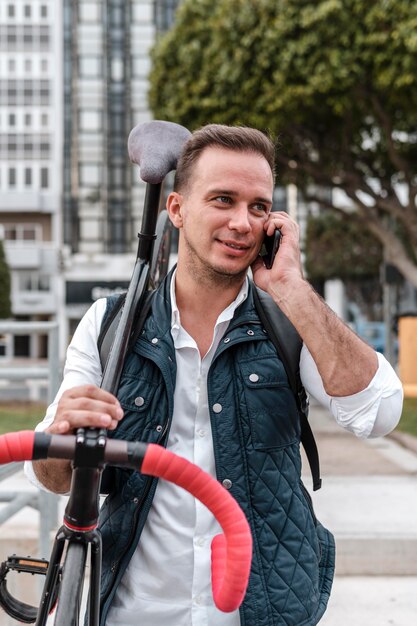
{"x": 205, "y": 381}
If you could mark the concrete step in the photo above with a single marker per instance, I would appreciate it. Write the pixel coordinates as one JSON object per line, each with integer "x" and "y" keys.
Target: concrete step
{"x": 372, "y": 601}
{"x": 369, "y": 501}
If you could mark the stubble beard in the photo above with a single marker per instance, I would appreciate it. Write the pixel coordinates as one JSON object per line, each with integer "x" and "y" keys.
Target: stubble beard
{"x": 211, "y": 275}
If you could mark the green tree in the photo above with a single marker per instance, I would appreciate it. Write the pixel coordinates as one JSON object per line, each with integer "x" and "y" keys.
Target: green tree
{"x": 5, "y": 304}
{"x": 334, "y": 80}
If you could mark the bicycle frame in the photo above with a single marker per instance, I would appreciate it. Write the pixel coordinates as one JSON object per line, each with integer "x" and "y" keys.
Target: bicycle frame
{"x": 91, "y": 451}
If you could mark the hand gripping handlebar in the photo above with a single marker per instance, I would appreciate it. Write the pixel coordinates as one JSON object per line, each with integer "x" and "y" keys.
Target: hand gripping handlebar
{"x": 231, "y": 551}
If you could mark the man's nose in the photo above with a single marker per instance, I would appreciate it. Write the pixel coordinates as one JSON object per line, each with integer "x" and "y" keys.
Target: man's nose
{"x": 239, "y": 219}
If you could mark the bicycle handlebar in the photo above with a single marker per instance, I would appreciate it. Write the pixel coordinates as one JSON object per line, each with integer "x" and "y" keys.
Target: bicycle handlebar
{"x": 231, "y": 551}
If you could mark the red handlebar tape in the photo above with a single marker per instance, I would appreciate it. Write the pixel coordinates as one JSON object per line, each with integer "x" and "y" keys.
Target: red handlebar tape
{"x": 231, "y": 552}
{"x": 16, "y": 446}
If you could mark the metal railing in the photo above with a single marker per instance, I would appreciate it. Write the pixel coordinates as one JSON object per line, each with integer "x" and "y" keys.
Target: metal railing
{"x": 45, "y": 503}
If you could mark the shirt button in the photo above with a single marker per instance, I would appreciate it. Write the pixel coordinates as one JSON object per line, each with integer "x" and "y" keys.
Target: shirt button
{"x": 253, "y": 378}
{"x": 139, "y": 401}
{"x": 154, "y": 340}
{"x": 227, "y": 484}
{"x": 200, "y": 542}
{"x": 198, "y": 600}
{"x": 217, "y": 408}
{"x": 202, "y": 432}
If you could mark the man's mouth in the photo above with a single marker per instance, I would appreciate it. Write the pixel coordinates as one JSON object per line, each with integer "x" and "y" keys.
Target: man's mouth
{"x": 235, "y": 246}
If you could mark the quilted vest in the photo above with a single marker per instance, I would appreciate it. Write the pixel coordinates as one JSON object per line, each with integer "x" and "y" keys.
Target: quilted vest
{"x": 256, "y": 437}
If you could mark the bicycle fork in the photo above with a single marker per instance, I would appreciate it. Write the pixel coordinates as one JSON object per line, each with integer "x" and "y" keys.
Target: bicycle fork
{"x": 65, "y": 537}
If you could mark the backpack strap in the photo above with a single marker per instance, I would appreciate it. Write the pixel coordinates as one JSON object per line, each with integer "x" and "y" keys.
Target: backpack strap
{"x": 111, "y": 321}
{"x": 288, "y": 344}
{"x": 104, "y": 343}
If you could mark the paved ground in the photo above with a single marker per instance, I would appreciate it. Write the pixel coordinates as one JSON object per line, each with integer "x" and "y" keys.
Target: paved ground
{"x": 369, "y": 501}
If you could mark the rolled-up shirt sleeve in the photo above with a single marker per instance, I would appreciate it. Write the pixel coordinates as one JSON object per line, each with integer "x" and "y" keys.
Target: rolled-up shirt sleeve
{"x": 373, "y": 412}
{"x": 82, "y": 367}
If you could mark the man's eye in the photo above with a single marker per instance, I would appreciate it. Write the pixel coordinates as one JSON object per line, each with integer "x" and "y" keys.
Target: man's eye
{"x": 262, "y": 208}
{"x": 223, "y": 199}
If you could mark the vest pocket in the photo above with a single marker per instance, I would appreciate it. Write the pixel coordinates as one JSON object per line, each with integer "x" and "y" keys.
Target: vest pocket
{"x": 271, "y": 407}
{"x": 137, "y": 398}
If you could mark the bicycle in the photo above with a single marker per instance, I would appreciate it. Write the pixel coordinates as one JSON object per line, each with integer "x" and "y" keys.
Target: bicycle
{"x": 155, "y": 147}
{"x": 231, "y": 551}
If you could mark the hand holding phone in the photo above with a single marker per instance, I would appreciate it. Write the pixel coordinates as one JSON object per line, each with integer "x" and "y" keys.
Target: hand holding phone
{"x": 270, "y": 248}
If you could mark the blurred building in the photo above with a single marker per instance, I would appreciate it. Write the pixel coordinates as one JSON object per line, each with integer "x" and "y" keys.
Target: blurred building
{"x": 31, "y": 160}
{"x": 106, "y": 67}
{"x": 73, "y": 83}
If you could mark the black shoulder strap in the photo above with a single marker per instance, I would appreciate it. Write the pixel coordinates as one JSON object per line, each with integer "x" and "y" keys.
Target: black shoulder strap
{"x": 111, "y": 321}
{"x": 288, "y": 345}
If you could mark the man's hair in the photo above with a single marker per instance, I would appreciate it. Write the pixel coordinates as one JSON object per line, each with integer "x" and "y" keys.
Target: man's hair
{"x": 237, "y": 138}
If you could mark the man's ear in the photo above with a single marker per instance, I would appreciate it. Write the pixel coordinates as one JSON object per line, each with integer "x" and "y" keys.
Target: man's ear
{"x": 173, "y": 204}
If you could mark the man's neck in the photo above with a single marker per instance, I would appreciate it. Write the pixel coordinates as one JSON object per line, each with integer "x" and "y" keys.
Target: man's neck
{"x": 200, "y": 303}
{"x": 210, "y": 298}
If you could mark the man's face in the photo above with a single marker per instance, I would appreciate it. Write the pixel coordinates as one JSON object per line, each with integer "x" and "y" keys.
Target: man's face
{"x": 222, "y": 212}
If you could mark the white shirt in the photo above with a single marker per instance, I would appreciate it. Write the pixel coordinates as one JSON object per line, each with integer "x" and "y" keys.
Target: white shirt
{"x": 168, "y": 577}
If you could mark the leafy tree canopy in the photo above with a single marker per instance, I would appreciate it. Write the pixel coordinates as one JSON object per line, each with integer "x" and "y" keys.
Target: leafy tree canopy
{"x": 334, "y": 81}
{"x": 5, "y": 304}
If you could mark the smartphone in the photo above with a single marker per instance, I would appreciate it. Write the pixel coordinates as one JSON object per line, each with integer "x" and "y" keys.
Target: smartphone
{"x": 270, "y": 248}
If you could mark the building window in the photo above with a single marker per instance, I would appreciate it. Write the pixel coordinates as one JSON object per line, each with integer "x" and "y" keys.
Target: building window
{"x": 27, "y": 35}
{"x": 44, "y": 119}
{"x": 90, "y": 121}
{"x": 28, "y": 176}
{"x": 90, "y": 174}
{"x": 11, "y": 10}
{"x": 28, "y": 119}
{"x": 33, "y": 281}
{"x": 27, "y": 10}
{"x": 44, "y": 91}
{"x": 44, "y": 36}
{"x": 28, "y": 65}
{"x": 89, "y": 12}
{"x": 44, "y": 178}
{"x": 45, "y": 148}
{"x": 27, "y": 146}
{"x": 164, "y": 14}
{"x": 12, "y": 66}
{"x": 12, "y": 177}
{"x": 23, "y": 232}
{"x": 12, "y": 119}
{"x": 12, "y": 143}
{"x": 90, "y": 66}
{"x": 44, "y": 11}
{"x": 3, "y": 345}
{"x": 44, "y": 66}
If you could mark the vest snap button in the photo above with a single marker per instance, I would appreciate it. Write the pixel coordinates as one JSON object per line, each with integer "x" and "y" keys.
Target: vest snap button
{"x": 253, "y": 378}
{"x": 159, "y": 428}
{"x": 154, "y": 340}
{"x": 217, "y": 408}
{"x": 139, "y": 401}
{"x": 227, "y": 484}
{"x": 226, "y": 340}
{"x": 250, "y": 332}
